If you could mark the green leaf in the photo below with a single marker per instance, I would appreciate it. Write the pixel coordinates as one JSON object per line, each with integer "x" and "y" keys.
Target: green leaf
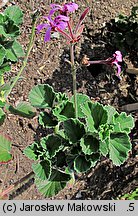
{"x": 2, "y": 116}
{"x": 2, "y": 54}
{"x": 9, "y": 29}
{"x": 89, "y": 119}
{"x": 124, "y": 122}
{"x": 119, "y": 146}
{"x": 13, "y": 51}
{"x": 42, "y": 96}
{"x": 111, "y": 111}
{"x": 53, "y": 144}
{"x": 5, "y": 68}
{"x": 81, "y": 164}
{"x": 98, "y": 113}
{"x": 2, "y": 104}
{"x": 89, "y": 144}
{"x": 42, "y": 169}
{"x": 104, "y": 146}
{"x": 23, "y": 109}
{"x": 32, "y": 151}
{"x": 17, "y": 48}
{"x": 74, "y": 129}
{"x": 56, "y": 183}
{"x": 95, "y": 114}
{"x": 15, "y": 14}
{"x": 5, "y": 148}
{"x": 93, "y": 158}
{"x": 81, "y": 100}
{"x": 64, "y": 111}
{"x": 46, "y": 120}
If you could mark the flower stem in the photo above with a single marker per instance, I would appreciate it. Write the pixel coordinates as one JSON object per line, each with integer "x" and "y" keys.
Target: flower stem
{"x": 73, "y": 69}
{"x": 24, "y": 63}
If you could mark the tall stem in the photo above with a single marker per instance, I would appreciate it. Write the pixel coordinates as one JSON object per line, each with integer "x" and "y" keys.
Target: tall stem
{"x": 73, "y": 69}
{"x": 24, "y": 63}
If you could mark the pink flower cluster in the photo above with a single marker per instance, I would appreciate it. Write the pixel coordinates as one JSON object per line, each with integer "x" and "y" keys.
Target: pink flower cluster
{"x": 62, "y": 21}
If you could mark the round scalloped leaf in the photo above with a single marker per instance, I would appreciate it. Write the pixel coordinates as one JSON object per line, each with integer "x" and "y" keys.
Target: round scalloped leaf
{"x": 119, "y": 146}
{"x": 125, "y": 123}
{"x": 5, "y": 148}
{"x": 2, "y": 54}
{"x": 53, "y": 144}
{"x": 64, "y": 111}
{"x": 74, "y": 129}
{"x": 2, "y": 116}
{"x": 54, "y": 184}
{"x": 95, "y": 114}
{"x": 13, "y": 51}
{"x": 5, "y": 68}
{"x": 81, "y": 164}
{"x": 46, "y": 120}
{"x": 104, "y": 146}
{"x": 93, "y": 158}
{"x": 31, "y": 151}
{"x": 15, "y": 14}
{"x": 23, "y": 109}
{"x": 42, "y": 169}
{"x": 42, "y": 96}
{"x": 89, "y": 144}
{"x": 111, "y": 112}
{"x": 81, "y": 100}
{"x": 9, "y": 29}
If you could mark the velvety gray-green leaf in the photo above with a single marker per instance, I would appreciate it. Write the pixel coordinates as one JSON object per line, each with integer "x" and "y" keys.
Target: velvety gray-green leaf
{"x": 15, "y": 14}
{"x": 42, "y": 169}
{"x": 81, "y": 164}
{"x": 89, "y": 144}
{"x": 47, "y": 120}
{"x": 74, "y": 129}
{"x": 56, "y": 183}
{"x": 52, "y": 144}
{"x": 23, "y": 109}
{"x": 5, "y": 149}
{"x": 126, "y": 123}
{"x": 42, "y": 96}
{"x": 119, "y": 146}
{"x": 81, "y": 100}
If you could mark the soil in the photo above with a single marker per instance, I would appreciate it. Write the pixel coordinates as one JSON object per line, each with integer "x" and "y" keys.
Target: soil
{"x": 48, "y": 64}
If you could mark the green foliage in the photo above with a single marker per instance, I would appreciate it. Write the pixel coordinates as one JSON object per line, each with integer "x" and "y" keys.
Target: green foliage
{"x": 74, "y": 145}
{"x": 5, "y": 148}
{"x": 23, "y": 109}
{"x": 123, "y": 32}
{"x": 131, "y": 196}
{"x": 10, "y": 49}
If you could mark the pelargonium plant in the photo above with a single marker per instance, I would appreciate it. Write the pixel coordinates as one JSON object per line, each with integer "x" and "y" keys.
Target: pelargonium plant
{"x": 82, "y": 131}
{"x": 10, "y": 52}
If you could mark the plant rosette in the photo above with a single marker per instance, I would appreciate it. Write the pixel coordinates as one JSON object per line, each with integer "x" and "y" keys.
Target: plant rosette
{"x": 75, "y": 145}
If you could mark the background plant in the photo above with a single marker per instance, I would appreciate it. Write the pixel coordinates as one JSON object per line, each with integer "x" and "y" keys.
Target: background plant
{"x": 122, "y": 33}
{"x": 10, "y": 52}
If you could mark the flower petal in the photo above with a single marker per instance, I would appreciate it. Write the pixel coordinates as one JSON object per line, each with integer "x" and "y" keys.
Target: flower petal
{"x": 47, "y": 35}
{"x": 70, "y": 7}
{"x": 41, "y": 26}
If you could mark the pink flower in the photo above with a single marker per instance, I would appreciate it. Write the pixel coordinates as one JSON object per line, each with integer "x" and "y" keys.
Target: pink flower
{"x": 64, "y": 9}
{"x": 117, "y": 57}
{"x": 60, "y": 22}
